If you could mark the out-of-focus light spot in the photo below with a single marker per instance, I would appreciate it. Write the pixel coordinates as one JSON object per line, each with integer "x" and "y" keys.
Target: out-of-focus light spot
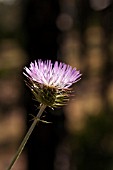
{"x": 110, "y": 95}
{"x": 11, "y": 55}
{"x": 8, "y": 2}
{"x": 94, "y": 35}
{"x": 96, "y": 60}
{"x": 64, "y": 22}
{"x": 99, "y": 5}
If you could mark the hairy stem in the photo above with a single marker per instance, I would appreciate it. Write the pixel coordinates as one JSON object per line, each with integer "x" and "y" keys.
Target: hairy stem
{"x": 22, "y": 145}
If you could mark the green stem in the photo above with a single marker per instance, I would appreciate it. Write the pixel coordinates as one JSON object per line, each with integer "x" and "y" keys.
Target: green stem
{"x": 22, "y": 145}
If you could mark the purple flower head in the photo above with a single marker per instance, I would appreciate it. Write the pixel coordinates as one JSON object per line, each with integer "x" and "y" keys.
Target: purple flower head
{"x": 48, "y": 80}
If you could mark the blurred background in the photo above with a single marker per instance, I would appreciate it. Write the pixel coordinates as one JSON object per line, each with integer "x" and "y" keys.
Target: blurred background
{"x": 77, "y": 32}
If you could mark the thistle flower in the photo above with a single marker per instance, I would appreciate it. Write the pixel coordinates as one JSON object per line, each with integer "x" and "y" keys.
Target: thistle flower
{"x": 50, "y": 85}
{"x": 50, "y": 82}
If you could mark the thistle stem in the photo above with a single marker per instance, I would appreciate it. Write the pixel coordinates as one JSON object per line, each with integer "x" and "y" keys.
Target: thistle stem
{"x": 22, "y": 145}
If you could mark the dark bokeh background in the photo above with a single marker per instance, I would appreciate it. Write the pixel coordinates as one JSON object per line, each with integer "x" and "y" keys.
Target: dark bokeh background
{"x": 80, "y": 33}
